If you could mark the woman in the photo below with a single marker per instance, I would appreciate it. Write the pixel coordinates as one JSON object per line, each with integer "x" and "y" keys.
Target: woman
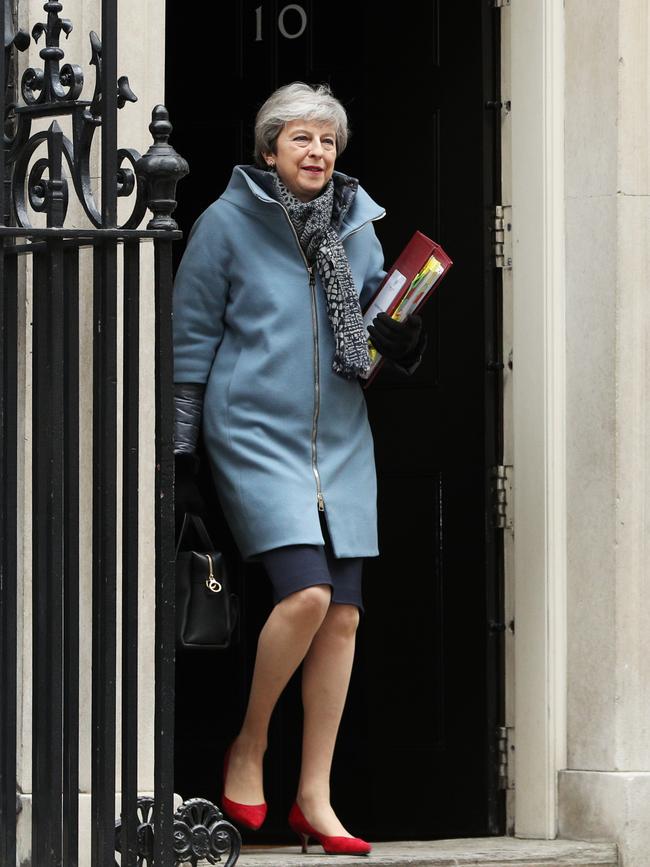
{"x": 269, "y": 344}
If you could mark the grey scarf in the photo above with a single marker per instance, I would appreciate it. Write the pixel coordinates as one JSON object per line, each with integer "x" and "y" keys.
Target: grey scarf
{"x": 320, "y": 243}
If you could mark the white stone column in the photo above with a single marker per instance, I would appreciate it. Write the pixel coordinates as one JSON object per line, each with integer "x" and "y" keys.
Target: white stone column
{"x": 536, "y": 32}
{"x": 605, "y": 791}
{"x": 141, "y": 52}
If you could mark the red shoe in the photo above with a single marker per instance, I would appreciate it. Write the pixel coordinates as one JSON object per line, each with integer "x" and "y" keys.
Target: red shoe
{"x": 331, "y": 845}
{"x": 250, "y": 815}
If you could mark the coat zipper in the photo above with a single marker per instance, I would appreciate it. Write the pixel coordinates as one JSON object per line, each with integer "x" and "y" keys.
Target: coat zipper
{"x": 314, "y": 423}
{"x": 314, "y": 319}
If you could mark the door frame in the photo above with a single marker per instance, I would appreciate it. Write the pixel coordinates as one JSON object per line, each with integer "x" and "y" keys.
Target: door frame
{"x": 533, "y": 33}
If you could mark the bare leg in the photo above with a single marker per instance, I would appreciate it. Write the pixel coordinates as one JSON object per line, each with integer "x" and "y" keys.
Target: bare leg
{"x": 325, "y": 680}
{"x": 282, "y": 645}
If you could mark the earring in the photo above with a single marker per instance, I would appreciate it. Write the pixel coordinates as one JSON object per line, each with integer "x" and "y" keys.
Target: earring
{"x": 271, "y": 166}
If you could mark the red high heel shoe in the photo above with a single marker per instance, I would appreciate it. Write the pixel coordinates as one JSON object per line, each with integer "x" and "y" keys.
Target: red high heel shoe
{"x": 331, "y": 845}
{"x": 250, "y": 815}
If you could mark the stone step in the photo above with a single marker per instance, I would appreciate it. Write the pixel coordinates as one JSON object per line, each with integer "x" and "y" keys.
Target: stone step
{"x": 469, "y": 852}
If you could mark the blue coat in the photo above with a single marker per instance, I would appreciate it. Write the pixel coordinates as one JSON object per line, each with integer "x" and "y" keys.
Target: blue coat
{"x": 286, "y": 435}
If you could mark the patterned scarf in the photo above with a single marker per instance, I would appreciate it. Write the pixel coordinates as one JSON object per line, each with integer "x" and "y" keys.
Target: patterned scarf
{"x": 320, "y": 243}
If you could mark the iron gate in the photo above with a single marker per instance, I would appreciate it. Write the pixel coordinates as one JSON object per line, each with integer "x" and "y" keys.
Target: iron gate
{"x": 148, "y": 830}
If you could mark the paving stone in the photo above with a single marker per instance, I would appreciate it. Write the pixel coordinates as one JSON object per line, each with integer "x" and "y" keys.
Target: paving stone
{"x": 469, "y": 852}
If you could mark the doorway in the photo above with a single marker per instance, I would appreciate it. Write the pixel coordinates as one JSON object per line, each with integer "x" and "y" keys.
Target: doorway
{"x": 417, "y": 756}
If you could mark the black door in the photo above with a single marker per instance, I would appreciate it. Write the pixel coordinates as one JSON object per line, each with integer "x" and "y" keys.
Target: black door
{"x": 416, "y": 756}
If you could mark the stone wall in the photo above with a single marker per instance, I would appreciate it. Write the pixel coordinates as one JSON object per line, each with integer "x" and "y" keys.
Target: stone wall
{"x": 604, "y": 791}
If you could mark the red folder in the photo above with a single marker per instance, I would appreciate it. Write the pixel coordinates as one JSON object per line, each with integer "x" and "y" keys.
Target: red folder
{"x": 408, "y": 285}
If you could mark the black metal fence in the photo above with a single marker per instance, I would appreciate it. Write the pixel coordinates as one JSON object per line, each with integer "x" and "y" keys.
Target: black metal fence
{"x": 148, "y": 831}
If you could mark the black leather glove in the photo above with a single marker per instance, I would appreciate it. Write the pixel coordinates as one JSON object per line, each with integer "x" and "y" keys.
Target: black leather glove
{"x": 396, "y": 340}
{"x": 188, "y": 408}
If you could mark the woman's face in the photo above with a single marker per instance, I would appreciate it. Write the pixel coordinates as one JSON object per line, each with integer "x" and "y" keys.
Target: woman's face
{"x": 304, "y": 157}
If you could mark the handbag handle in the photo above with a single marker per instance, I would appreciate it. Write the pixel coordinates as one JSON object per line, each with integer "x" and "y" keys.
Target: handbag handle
{"x": 201, "y": 532}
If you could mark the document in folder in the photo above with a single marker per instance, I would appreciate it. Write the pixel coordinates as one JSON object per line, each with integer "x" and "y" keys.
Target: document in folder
{"x": 406, "y": 287}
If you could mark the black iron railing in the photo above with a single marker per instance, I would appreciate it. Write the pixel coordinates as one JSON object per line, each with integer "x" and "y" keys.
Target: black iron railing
{"x": 148, "y": 831}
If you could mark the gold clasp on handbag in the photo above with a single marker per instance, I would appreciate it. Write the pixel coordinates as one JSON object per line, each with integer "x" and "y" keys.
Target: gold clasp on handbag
{"x": 211, "y": 582}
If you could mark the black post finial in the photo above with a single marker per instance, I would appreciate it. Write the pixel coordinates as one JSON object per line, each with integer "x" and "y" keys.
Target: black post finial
{"x": 160, "y": 169}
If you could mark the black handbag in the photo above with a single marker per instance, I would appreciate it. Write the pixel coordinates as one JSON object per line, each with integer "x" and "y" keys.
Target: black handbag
{"x": 206, "y": 609}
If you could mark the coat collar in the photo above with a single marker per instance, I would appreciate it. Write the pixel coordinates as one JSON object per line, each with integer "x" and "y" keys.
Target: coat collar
{"x": 251, "y": 188}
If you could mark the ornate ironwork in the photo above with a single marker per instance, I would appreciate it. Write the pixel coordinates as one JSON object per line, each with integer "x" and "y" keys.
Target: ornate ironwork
{"x": 160, "y": 169}
{"x": 200, "y": 833}
{"x": 55, "y": 90}
{"x": 13, "y": 37}
{"x": 145, "y": 832}
{"x": 19, "y": 38}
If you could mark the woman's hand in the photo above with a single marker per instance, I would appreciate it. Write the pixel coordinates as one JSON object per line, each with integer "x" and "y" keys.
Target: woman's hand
{"x": 188, "y": 407}
{"x": 187, "y": 497}
{"x": 393, "y": 339}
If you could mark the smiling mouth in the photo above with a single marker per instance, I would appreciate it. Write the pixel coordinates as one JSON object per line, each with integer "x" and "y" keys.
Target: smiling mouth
{"x": 314, "y": 171}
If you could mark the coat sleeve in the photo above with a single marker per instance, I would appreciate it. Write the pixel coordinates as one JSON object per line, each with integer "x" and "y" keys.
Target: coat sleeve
{"x": 374, "y": 275}
{"x": 200, "y": 295}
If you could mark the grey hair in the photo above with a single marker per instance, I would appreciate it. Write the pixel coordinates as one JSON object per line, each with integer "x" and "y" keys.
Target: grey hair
{"x": 298, "y": 101}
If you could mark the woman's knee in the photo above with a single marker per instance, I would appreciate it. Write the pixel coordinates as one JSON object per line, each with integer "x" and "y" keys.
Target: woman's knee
{"x": 343, "y": 619}
{"x": 310, "y": 603}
